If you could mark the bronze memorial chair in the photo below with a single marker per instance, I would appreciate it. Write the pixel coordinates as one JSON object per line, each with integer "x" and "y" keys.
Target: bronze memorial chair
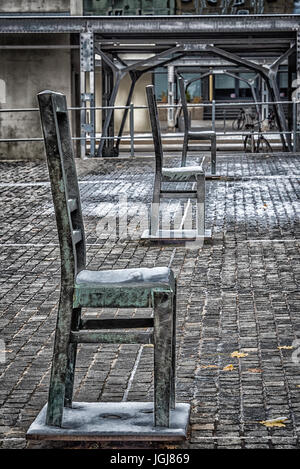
{"x": 195, "y": 134}
{"x": 83, "y": 288}
{"x": 178, "y": 175}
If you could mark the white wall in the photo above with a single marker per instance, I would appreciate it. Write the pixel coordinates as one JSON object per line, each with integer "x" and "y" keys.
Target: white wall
{"x": 24, "y": 73}
{"x": 141, "y": 116}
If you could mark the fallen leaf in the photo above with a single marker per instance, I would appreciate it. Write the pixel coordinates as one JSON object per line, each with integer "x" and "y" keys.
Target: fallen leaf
{"x": 274, "y": 422}
{"x": 228, "y": 368}
{"x": 237, "y": 354}
{"x": 209, "y": 366}
{"x": 285, "y": 347}
{"x": 254, "y": 370}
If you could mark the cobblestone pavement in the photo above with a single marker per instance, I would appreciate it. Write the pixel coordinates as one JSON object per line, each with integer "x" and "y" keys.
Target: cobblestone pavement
{"x": 239, "y": 293}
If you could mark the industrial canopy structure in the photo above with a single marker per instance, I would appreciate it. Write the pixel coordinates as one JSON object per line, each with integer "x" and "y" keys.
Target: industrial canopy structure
{"x": 258, "y": 43}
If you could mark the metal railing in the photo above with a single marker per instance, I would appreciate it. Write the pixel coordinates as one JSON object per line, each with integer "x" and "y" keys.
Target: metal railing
{"x": 132, "y": 137}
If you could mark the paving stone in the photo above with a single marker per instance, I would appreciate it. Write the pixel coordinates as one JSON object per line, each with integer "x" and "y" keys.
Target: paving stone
{"x": 240, "y": 293}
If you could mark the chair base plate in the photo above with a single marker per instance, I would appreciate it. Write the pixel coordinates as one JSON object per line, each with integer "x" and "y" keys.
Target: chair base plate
{"x": 175, "y": 235}
{"x": 111, "y": 421}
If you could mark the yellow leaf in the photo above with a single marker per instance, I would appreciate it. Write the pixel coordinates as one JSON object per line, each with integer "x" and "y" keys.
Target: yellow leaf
{"x": 237, "y": 354}
{"x": 274, "y": 422}
{"x": 228, "y": 368}
{"x": 285, "y": 347}
{"x": 254, "y": 370}
{"x": 209, "y": 366}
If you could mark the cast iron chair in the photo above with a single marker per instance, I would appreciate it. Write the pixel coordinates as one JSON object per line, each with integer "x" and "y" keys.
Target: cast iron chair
{"x": 177, "y": 175}
{"x": 194, "y": 134}
{"x": 82, "y": 288}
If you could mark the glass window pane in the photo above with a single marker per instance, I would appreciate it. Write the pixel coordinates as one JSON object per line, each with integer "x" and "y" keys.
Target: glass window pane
{"x": 161, "y": 85}
{"x": 194, "y": 88}
{"x": 247, "y": 76}
{"x": 223, "y": 82}
{"x": 283, "y": 80}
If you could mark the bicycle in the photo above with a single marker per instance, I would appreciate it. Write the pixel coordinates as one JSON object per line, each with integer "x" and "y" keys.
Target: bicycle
{"x": 245, "y": 117}
{"x": 259, "y": 145}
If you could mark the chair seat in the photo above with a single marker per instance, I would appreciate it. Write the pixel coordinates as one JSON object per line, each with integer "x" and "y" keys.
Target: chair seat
{"x": 182, "y": 173}
{"x": 121, "y": 288}
{"x": 141, "y": 277}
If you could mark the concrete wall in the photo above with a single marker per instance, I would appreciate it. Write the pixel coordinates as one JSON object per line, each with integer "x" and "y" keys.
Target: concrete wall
{"x": 24, "y": 73}
{"x": 34, "y": 6}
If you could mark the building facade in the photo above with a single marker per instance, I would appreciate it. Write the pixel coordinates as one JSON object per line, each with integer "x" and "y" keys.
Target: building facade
{"x": 33, "y": 62}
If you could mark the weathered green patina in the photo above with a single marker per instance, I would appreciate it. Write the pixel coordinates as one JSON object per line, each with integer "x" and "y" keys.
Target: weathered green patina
{"x": 80, "y": 287}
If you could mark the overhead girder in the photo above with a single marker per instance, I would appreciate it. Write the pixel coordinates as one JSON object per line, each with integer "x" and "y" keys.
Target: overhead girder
{"x": 249, "y": 82}
{"x": 119, "y": 69}
{"x": 269, "y": 74}
{"x": 136, "y": 69}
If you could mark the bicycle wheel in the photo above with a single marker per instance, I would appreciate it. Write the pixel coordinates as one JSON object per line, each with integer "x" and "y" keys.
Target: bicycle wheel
{"x": 238, "y": 123}
{"x": 249, "y": 144}
{"x": 263, "y": 146}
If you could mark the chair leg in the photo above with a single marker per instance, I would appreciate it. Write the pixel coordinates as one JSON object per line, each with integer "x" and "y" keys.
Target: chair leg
{"x": 154, "y": 214}
{"x": 201, "y": 205}
{"x": 173, "y": 369}
{"x": 60, "y": 360}
{"x": 72, "y": 353}
{"x": 163, "y": 333}
{"x": 213, "y": 154}
{"x": 184, "y": 150}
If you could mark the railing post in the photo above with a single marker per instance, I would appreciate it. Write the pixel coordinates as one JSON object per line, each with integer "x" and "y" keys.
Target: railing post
{"x": 131, "y": 128}
{"x": 213, "y": 115}
{"x": 295, "y": 126}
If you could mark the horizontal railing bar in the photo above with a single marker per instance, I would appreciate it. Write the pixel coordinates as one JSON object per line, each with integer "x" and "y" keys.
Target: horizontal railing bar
{"x": 161, "y": 106}
{"x": 149, "y": 137}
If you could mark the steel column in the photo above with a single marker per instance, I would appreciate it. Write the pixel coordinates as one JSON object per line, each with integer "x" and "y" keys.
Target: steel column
{"x": 171, "y": 96}
{"x": 87, "y": 92}
{"x": 108, "y": 128}
{"x": 134, "y": 77}
{"x": 297, "y": 94}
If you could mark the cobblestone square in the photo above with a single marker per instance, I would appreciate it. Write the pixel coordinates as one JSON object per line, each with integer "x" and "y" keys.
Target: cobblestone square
{"x": 239, "y": 293}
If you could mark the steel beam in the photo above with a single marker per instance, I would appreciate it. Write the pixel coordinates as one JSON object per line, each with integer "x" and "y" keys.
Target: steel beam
{"x": 145, "y": 26}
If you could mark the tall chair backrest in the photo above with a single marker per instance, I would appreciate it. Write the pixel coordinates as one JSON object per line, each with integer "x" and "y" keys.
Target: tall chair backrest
{"x": 183, "y": 103}
{"x": 64, "y": 183}
{"x": 155, "y": 128}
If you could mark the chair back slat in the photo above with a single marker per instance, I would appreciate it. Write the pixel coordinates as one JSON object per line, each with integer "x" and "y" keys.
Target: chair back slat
{"x": 183, "y": 103}
{"x": 64, "y": 183}
{"x": 155, "y": 127}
